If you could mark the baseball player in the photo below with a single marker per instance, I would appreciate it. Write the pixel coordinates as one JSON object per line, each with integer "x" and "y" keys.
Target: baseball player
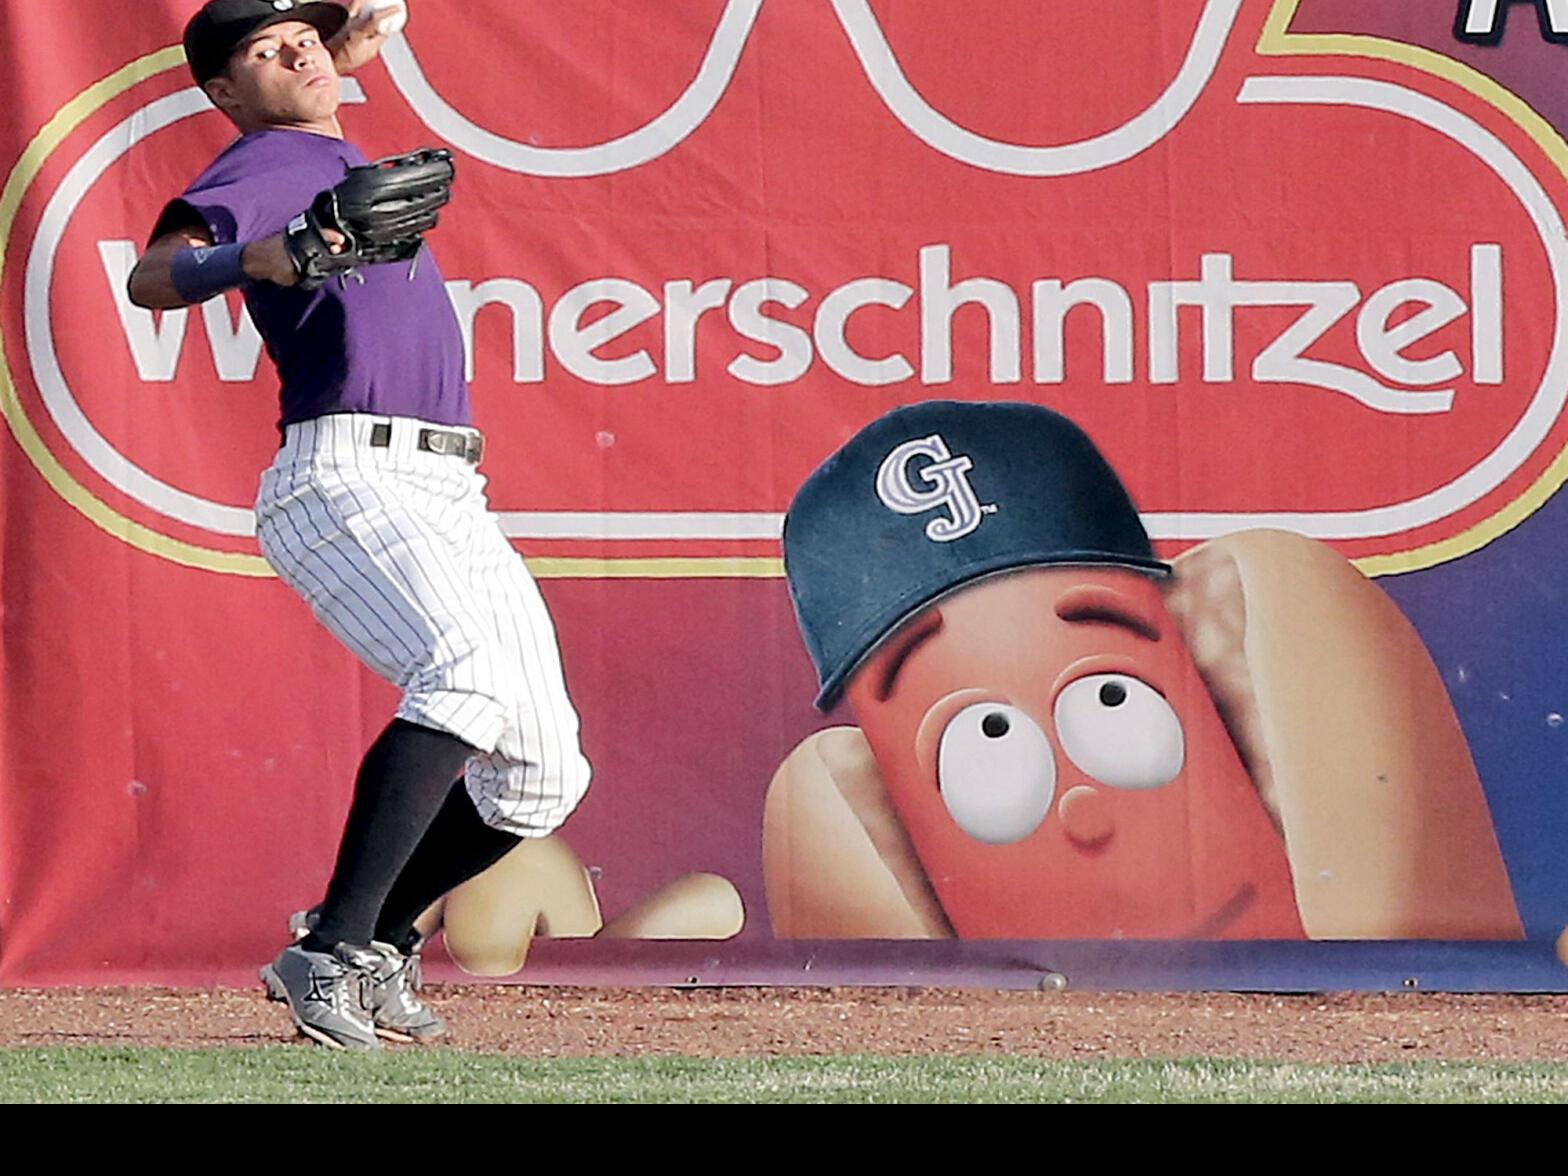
{"x": 374, "y": 510}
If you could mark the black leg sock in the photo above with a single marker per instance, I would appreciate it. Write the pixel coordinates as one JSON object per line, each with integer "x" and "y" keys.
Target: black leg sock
{"x": 458, "y": 846}
{"x": 399, "y": 790}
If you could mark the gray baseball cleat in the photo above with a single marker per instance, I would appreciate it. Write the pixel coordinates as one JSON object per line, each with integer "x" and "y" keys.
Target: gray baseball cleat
{"x": 328, "y": 995}
{"x": 396, "y": 1010}
{"x": 395, "y": 1007}
{"x": 301, "y": 924}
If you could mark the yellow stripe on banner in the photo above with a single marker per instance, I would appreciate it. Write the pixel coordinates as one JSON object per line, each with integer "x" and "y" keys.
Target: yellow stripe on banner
{"x": 27, "y": 168}
{"x": 67, "y": 119}
{"x": 714, "y": 568}
{"x": 1478, "y": 536}
{"x": 1277, "y": 41}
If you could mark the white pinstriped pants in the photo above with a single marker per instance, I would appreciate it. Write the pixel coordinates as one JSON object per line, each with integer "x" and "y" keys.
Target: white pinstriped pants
{"x": 398, "y": 555}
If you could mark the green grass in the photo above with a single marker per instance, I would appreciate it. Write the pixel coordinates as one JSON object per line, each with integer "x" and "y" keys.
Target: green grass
{"x": 300, "y": 1074}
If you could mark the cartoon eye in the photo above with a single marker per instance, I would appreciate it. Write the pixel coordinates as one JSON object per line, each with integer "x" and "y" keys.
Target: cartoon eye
{"x": 996, "y": 772}
{"x": 1120, "y": 731}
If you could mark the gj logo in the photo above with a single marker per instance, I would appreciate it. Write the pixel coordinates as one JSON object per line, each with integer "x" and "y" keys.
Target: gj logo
{"x": 1481, "y": 22}
{"x": 947, "y": 485}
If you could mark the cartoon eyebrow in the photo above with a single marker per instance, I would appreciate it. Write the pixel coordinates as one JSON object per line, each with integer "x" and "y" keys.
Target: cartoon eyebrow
{"x": 1098, "y": 605}
{"x": 902, "y": 646}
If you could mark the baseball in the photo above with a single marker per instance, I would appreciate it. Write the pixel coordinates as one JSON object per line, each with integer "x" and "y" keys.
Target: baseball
{"x": 392, "y": 24}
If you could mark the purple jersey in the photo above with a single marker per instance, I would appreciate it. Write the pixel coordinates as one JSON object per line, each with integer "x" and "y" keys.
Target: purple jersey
{"x": 389, "y": 344}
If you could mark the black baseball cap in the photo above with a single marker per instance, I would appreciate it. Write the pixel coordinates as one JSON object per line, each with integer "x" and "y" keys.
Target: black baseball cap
{"x": 934, "y": 495}
{"x": 222, "y": 26}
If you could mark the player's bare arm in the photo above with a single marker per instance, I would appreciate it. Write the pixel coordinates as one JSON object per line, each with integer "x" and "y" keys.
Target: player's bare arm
{"x": 377, "y": 215}
{"x": 152, "y": 283}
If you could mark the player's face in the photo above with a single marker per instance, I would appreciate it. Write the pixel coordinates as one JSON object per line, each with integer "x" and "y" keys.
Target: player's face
{"x": 283, "y": 76}
{"x": 1063, "y": 771}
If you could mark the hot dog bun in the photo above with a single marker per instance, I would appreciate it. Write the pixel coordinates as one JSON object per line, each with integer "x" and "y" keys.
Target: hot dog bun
{"x": 1346, "y": 729}
{"x": 837, "y": 862}
{"x": 695, "y": 906}
{"x": 539, "y": 888}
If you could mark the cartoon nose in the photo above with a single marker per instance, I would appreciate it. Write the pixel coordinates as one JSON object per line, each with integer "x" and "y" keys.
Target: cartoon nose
{"x": 1086, "y": 816}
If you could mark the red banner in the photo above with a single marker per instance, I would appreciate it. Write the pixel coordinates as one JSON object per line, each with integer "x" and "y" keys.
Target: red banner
{"x": 1290, "y": 267}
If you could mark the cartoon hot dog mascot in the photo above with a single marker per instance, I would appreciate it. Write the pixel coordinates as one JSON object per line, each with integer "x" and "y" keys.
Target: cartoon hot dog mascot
{"x": 1061, "y": 736}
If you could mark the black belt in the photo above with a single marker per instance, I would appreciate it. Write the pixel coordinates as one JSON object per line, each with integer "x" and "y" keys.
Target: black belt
{"x": 446, "y": 442}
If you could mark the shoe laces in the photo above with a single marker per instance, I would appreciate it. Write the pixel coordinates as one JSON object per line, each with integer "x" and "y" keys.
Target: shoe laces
{"x": 406, "y": 974}
{"x": 357, "y": 982}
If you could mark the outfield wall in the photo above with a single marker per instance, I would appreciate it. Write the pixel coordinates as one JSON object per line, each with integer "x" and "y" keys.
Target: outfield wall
{"x": 1297, "y": 272}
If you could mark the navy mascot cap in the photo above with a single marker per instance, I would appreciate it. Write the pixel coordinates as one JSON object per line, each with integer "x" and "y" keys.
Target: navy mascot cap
{"x": 932, "y": 496}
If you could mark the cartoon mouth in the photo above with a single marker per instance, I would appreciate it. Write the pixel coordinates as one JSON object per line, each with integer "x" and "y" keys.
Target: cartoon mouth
{"x": 1223, "y": 919}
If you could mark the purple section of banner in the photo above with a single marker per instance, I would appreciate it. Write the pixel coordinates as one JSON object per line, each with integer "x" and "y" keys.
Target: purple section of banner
{"x": 1524, "y": 62}
{"x": 1085, "y": 966}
